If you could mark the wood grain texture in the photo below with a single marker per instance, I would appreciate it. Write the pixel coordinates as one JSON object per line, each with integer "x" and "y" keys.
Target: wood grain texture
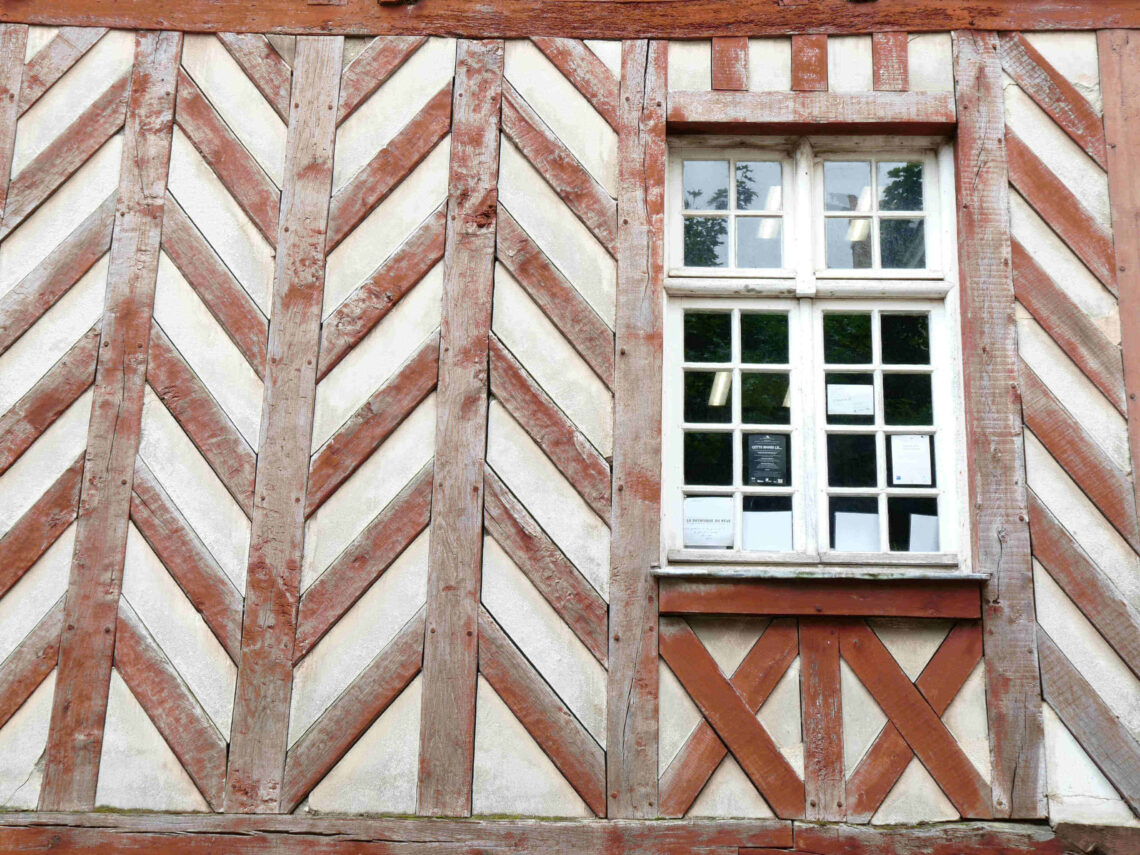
{"x": 887, "y": 758}
{"x": 40, "y": 526}
{"x": 260, "y": 728}
{"x": 263, "y": 65}
{"x": 174, "y": 711}
{"x": 918, "y": 723}
{"x": 53, "y": 60}
{"x": 588, "y": 74}
{"x": 631, "y": 734}
{"x": 958, "y": 838}
{"x": 1054, "y": 94}
{"x": 13, "y": 44}
{"x": 330, "y": 737}
{"x": 809, "y": 63}
{"x": 545, "y": 716}
{"x": 724, "y": 709}
{"x": 890, "y": 62}
{"x": 1098, "y": 730}
{"x": 30, "y": 663}
{"x": 754, "y": 679}
{"x": 730, "y": 62}
{"x": 371, "y": 68}
{"x": 1108, "y": 840}
{"x": 824, "y": 778}
{"x": 566, "y": 446}
{"x": 186, "y": 558}
{"x": 995, "y": 450}
{"x": 45, "y": 402}
{"x": 447, "y": 720}
{"x": 75, "y": 735}
{"x": 1120, "y": 86}
{"x": 561, "y": 583}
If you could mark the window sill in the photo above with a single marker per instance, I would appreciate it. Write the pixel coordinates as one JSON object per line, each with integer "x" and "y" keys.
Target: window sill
{"x": 708, "y": 564}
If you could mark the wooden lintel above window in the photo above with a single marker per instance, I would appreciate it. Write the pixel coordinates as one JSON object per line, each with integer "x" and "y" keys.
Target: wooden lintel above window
{"x": 601, "y": 19}
{"x": 807, "y": 112}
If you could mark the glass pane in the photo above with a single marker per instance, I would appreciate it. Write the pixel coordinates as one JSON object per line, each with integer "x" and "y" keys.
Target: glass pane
{"x": 851, "y": 460}
{"x": 765, "y": 399}
{"x": 850, "y": 399}
{"x": 900, "y": 187}
{"x": 759, "y": 242}
{"x": 708, "y": 522}
{"x": 708, "y": 396}
{"x": 706, "y": 185}
{"x": 906, "y": 339}
{"x": 854, "y": 524}
{"x": 759, "y": 186}
{"x": 847, "y": 339}
{"x": 847, "y": 185}
{"x": 708, "y": 459}
{"x": 708, "y": 337}
{"x": 902, "y": 244}
{"x": 767, "y": 523}
{"x": 763, "y": 338}
{"x": 907, "y": 399}
{"x": 767, "y": 460}
{"x": 912, "y": 525}
{"x": 706, "y": 241}
{"x": 848, "y": 243}
{"x": 910, "y": 460}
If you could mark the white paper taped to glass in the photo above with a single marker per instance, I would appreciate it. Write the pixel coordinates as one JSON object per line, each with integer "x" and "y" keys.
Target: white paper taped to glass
{"x": 708, "y": 522}
{"x": 850, "y": 400}
{"x": 910, "y": 460}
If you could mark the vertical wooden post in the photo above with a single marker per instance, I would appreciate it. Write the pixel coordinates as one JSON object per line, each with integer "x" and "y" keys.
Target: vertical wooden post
{"x": 87, "y": 643}
{"x": 13, "y": 43}
{"x": 994, "y": 432}
{"x": 1120, "y": 88}
{"x": 451, "y": 644}
{"x": 821, "y": 701}
{"x": 890, "y": 62}
{"x": 631, "y": 761}
{"x": 259, "y": 734}
{"x": 730, "y": 63}
{"x": 809, "y": 63}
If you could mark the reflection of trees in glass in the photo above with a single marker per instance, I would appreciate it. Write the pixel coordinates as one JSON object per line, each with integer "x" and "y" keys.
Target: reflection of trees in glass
{"x": 745, "y": 195}
{"x": 706, "y": 240}
{"x": 708, "y": 337}
{"x": 846, "y": 339}
{"x": 906, "y": 340}
{"x": 907, "y": 399}
{"x": 718, "y": 201}
{"x": 904, "y": 190}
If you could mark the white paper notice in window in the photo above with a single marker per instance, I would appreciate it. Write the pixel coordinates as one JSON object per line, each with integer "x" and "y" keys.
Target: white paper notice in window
{"x": 910, "y": 460}
{"x": 708, "y": 522}
{"x": 850, "y": 400}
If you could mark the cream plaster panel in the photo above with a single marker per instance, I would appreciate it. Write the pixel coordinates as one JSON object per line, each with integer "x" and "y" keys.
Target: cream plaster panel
{"x": 38, "y": 39}
{"x": 863, "y": 719}
{"x": 730, "y": 793}
{"x": 1077, "y": 790}
{"x": 1075, "y": 56}
{"x": 22, "y": 743}
{"x": 608, "y": 52}
{"x": 911, "y": 642}
{"x": 690, "y": 65}
{"x": 40, "y": 588}
{"x": 677, "y": 716}
{"x": 770, "y": 65}
{"x": 968, "y": 722}
{"x": 849, "y": 67}
{"x": 931, "y": 61}
{"x": 916, "y": 797}
{"x": 781, "y": 717}
{"x": 727, "y": 639}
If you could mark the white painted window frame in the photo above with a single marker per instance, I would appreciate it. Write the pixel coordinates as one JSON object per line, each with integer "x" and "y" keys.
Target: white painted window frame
{"x": 806, "y": 292}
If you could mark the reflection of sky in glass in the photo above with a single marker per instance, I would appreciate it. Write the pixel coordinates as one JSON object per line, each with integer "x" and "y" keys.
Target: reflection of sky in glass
{"x": 759, "y": 242}
{"x": 758, "y": 186}
{"x": 848, "y": 243}
{"x": 706, "y": 185}
{"x": 847, "y": 185}
{"x": 902, "y": 243}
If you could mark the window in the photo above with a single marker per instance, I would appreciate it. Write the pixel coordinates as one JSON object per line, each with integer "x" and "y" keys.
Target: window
{"x": 813, "y": 405}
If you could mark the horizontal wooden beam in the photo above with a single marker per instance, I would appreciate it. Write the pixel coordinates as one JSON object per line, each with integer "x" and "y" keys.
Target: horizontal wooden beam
{"x": 602, "y": 19}
{"x": 894, "y": 112}
{"x": 951, "y": 598}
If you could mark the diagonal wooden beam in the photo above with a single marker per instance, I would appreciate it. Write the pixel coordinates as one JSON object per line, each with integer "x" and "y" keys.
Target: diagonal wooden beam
{"x": 561, "y": 583}
{"x": 263, "y": 66}
{"x": 169, "y": 704}
{"x": 566, "y": 446}
{"x": 348, "y": 324}
{"x": 754, "y": 680}
{"x": 187, "y": 560}
{"x": 369, "y": 426}
{"x": 728, "y": 713}
{"x": 389, "y": 166}
{"x": 79, "y": 707}
{"x": 30, "y": 663}
{"x": 13, "y": 45}
{"x": 586, "y": 73}
{"x": 545, "y": 716}
{"x": 890, "y": 62}
{"x": 363, "y": 561}
{"x": 235, "y": 167}
{"x": 916, "y": 720}
{"x": 223, "y": 295}
{"x": 371, "y": 68}
{"x": 45, "y": 402}
{"x": 202, "y": 418}
{"x": 54, "y": 60}
{"x": 730, "y": 63}
{"x": 888, "y": 757}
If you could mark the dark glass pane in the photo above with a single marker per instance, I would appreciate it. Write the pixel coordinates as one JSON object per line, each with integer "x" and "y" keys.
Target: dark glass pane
{"x": 766, "y": 459}
{"x": 854, "y": 524}
{"x": 767, "y": 523}
{"x": 847, "y": 339}
{"x": 907, "y": 400}
{"x": 903, "y": 244}
{"x": 851, "y": 460}
{"x": 708, "y": 459}
{"x": 906, "y": 339}
{"x": 764, "y": 339}
{"x": 759, "y": 186}
{"x": 847, "y": 185}
{"x": 910, "y": 461}
{"x": 708, "y": 396}
{"x": 759, "y": 242}
{"x": 706, "y": 185}
{"x": 706, "y": 242}
{"x": 912, "y": 525}
{"x": 900, "y": 187}
{"x": 764, "y": 399}
{"x": 708, "y": 337}
{"x": 850, "y": 399}
{"x": 848, "y": 243}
